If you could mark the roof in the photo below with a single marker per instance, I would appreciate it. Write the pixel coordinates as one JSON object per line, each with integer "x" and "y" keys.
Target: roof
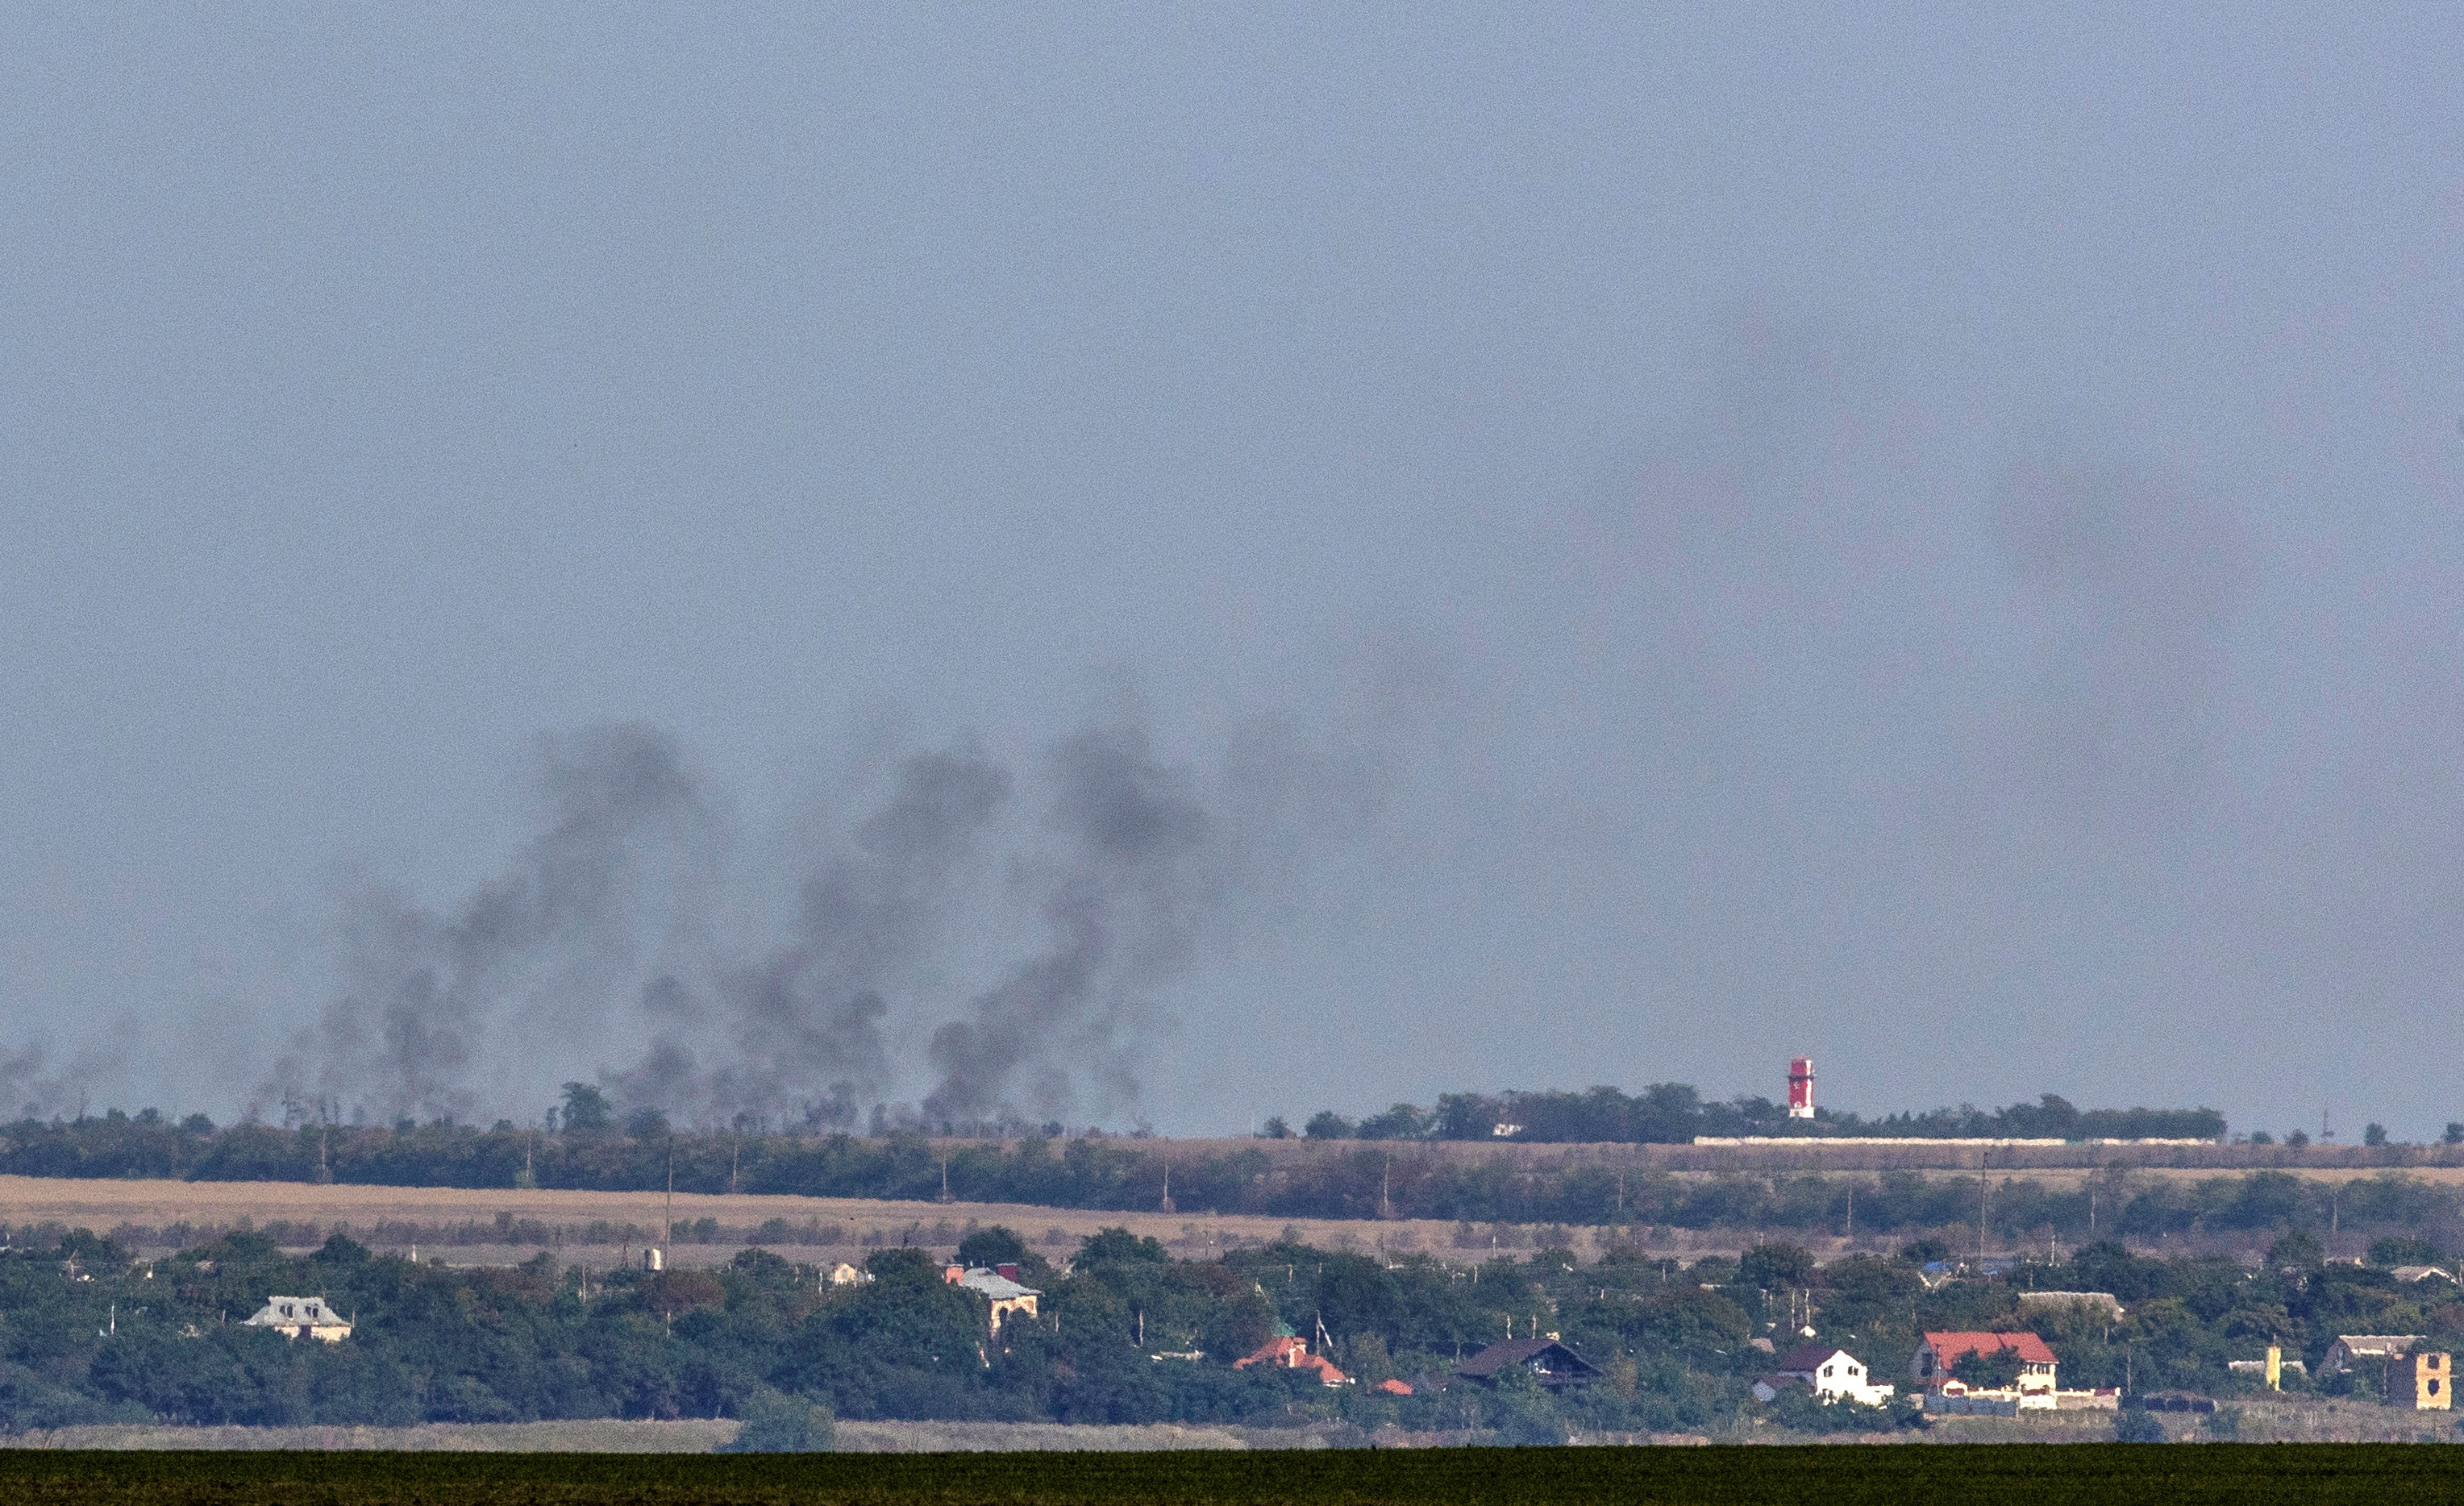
{"x": 1807, "y": 1358}
{"x": 1949, "y": 1345}
{"x": 2096, "y": 1299}
{"x": 291, "y": 1312}
{"x": 2378, "y": 1343}
{"x": 1521, "y": 1351}
{"x": 2419, "y": 1273}
{"x": 993, "y": 1284}
{"x": 1289, "y": 1353}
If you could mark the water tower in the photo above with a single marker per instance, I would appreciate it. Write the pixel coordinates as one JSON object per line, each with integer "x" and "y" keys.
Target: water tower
{"x": 1800, "y": 1088}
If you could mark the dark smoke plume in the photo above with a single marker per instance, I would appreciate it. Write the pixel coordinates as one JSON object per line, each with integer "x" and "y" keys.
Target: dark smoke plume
{"x": 623, "y": 946}
{"x": 806, "y": 1028}
{"x": 421, "y": 991}
{"x": 1120, "y": 901}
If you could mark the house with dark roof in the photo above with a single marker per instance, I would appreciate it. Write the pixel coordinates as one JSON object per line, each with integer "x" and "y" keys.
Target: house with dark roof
{"x": 1549, "y": 1361}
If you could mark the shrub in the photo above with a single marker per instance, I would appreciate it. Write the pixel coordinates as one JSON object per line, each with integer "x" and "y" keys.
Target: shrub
{"x": 780, "y": 1424}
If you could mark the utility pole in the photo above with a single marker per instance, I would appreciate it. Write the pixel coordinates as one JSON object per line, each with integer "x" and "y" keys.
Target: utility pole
{"x": 669, "y": 1235}
{"x": 1983, "y": 1197}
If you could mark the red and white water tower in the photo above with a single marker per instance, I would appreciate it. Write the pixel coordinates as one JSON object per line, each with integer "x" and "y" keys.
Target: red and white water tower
{"x": 1800, "y": 1088}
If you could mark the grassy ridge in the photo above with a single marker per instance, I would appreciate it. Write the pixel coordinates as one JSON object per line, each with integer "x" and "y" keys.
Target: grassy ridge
{"x": 2105, "y": 1475}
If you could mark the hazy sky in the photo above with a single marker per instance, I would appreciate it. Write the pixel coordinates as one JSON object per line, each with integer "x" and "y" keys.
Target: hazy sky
{"x": 1924, "y": 537}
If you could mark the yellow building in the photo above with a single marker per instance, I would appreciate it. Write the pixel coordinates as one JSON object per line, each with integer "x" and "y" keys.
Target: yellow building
{"x": 2419, "y": 1380}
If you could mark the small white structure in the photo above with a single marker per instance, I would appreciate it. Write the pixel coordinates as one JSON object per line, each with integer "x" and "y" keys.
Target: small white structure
{"x": 846, "y": 1275}
{"x": 302, "y": 1318}
{"x": 2410, "y": 1274}
{"x": 1832, "y": 1373}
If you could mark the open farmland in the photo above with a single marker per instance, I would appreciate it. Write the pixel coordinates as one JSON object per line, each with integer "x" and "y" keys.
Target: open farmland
{"x": 597, "y": 1227}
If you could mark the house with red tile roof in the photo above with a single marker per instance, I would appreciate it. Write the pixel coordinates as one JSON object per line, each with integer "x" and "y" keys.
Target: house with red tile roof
{"x": 1289, "y": 1352}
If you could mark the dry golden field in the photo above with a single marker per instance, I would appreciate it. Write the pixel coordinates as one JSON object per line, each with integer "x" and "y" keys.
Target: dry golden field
{"x": 105, "y": 1205}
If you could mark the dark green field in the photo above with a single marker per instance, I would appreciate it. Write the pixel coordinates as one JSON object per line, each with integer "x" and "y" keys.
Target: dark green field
{"x": 2036, "y": 1475}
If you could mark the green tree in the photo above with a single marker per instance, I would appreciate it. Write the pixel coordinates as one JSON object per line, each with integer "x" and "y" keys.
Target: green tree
{"x": 1988, "y": 1369}
{"x": 1327, "y": 1125}
{"x": 2401, "y": 1250}
{"x": 1773, "y": 1267}
{"x": 586, "y": 1111}
{"x": 778, "y": 1423}
{"x": 992, "y": 1245}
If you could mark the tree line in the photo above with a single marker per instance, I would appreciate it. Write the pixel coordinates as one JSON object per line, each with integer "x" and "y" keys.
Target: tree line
{"x": 1674, "y": 1113}
{"x": 1126, "y": 1333}
{"x": 1342, "y": 1180}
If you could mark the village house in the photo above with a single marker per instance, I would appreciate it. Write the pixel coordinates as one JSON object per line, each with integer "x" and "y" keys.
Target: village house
{"x": 1832, "y": 1373}
{"x": 1551, "y": 1363}
{"x": 999, "y": 1285}
{"x": 846, "y": 1275}
{"x": 2419, "y": 1380}
{"x": 2407, "y": 1374}
{"x": 2365, "y": 1351}
{"x": 302, "y": 1318}
{"x": 1940, "y": 1352}
{"x": 1287, "y": 1352}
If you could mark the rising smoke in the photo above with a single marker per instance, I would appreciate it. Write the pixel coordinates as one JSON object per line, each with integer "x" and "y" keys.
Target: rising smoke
{"x": 617, "y": 946}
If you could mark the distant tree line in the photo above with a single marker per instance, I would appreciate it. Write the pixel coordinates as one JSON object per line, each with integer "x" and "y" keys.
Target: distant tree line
{"x": 1339, "y": 1180}
{"x": 1674, "y": 1113}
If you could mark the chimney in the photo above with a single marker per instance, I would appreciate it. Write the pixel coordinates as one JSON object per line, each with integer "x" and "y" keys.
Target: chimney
{"x": 1008, "y": 1270}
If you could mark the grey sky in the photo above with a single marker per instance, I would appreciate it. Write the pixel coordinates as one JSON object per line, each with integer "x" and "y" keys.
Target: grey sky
{"x": 1926, "y": 539}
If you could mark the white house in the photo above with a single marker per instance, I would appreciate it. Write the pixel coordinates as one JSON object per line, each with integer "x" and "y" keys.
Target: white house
{"x": 302, "y": 1318}
{"x": 1940, "y": 1351}
{"x": 1832, "y": 1373}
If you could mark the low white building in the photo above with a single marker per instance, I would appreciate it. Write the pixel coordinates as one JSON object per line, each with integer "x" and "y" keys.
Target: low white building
{"x": 302, "y": 1318}
{"x": 1832, "y": 1373}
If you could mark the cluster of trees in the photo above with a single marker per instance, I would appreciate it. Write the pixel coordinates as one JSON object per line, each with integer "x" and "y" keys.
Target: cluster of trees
{"x": 1674, "y": 1113}
{"x": 88, "y": 1334}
